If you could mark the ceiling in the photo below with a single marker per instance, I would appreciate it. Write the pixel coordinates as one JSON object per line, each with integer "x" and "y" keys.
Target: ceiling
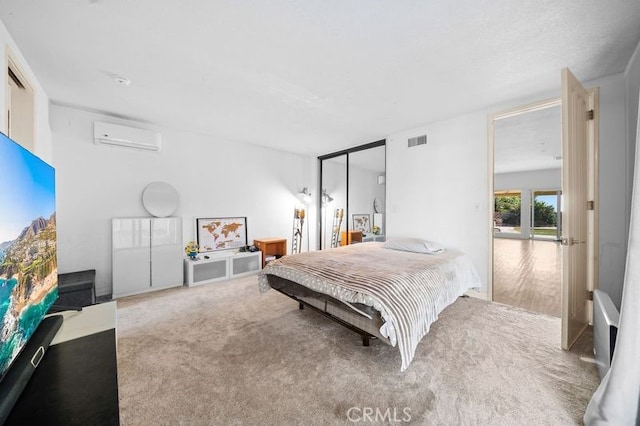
{"x": 370, "y": 160}
{"x": 313, "y": 77}
{"x": 528, "y": 141}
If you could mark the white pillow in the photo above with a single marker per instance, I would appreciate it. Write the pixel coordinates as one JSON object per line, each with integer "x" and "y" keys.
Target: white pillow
{"x": 415, "y": 245}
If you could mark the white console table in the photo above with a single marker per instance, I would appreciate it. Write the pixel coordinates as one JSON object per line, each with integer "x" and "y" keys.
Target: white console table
{"x": 221, "y": 267}
{"x": 90, "y": 320}
{"x": 373, "y": 237}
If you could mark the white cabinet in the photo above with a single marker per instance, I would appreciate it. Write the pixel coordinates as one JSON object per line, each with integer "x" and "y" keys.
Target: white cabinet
{"x": 147, "y": 254}
{"x": 221, "y": 267}
{"x": 204, "y": 271}
{"x": 373, "y": 237}
{"x": 242, "y": 264}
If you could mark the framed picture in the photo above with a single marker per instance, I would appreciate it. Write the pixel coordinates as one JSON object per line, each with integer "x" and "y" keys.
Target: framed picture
{"x": 221, "y": 233}
{"x": 362, "y": 222}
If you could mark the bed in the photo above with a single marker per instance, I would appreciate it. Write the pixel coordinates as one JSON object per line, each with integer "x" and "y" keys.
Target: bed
{"x": 391, "y": 291}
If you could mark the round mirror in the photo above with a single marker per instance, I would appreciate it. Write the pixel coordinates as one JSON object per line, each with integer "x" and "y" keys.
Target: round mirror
{"x": 160, "y": 199}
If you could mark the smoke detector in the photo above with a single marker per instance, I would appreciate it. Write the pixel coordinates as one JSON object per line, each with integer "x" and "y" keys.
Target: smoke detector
{"x": 121, "y": 80}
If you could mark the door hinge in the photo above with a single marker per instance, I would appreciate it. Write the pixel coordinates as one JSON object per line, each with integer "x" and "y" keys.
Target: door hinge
{"x": 590, "y": 114}
{"x": 589, "y": 295}
{"x": 591, "y": 205}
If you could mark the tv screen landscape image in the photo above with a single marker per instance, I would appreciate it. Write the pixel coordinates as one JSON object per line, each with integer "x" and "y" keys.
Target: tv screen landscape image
{"x": 28, "y": 262}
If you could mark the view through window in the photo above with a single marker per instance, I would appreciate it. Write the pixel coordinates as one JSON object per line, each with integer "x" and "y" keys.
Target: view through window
{"x": 540, "y": 213}
{"x": 545, "y": 214}
{"x": 506, "y": 216}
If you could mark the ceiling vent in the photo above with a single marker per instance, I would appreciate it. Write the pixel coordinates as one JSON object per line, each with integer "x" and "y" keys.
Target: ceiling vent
{"x": 126, "y": 137}
{"x": 418, "y": 140}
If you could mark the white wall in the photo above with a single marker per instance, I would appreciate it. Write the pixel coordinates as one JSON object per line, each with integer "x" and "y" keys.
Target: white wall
{"x": 440, "y": 190}
{"x": 42, "y": 144}
{"x": 530, "y": 179}
{"x": 614, "y": 194}
{"x": 213, "y": 177}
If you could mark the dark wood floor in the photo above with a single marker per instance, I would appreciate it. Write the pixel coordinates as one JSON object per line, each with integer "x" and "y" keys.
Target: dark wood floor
{"x": 527, "y": 274}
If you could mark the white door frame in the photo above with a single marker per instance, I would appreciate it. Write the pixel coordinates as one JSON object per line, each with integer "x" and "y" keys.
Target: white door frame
{"x": 491, "y": 119}
{"x": 593, "y": 164}
{"x": 580, "y": 115}
{"x": 19, "y": 116}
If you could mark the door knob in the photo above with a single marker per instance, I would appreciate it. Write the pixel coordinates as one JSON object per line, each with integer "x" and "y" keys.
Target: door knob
{"x": 569, "y": 241}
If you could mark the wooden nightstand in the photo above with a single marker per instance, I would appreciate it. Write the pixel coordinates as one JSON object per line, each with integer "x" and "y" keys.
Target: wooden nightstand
{"x": 271, "y": 247}
{"x": 354, "y": 237}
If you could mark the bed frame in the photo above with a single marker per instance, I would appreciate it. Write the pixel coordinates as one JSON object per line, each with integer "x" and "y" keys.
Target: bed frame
{"x": 333, "y": 309}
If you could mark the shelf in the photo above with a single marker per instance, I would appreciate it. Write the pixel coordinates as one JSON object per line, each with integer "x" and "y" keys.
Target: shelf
{"x": 373, "y": 237}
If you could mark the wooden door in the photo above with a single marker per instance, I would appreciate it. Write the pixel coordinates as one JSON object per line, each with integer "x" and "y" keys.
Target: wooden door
{"x": 578, "y": 207}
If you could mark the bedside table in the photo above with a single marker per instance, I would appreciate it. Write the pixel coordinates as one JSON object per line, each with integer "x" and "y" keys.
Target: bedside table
{"x": 271, "y": 247}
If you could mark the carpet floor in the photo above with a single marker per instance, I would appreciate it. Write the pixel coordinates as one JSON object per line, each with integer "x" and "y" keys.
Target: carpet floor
{"x": 223, "y": 353}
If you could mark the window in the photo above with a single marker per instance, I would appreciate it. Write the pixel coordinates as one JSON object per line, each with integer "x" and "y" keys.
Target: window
{"x": 507, "y": 211}
{"x": 544, "y": 216}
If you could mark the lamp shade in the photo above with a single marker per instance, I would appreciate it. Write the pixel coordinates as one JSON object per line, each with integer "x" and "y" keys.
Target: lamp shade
{"x": 305, "y": 195}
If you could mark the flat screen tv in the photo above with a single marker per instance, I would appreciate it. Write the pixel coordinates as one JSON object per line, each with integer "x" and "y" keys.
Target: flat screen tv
{"x": 28, "y": 261}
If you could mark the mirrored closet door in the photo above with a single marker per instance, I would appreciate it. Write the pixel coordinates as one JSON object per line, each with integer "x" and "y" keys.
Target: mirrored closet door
{"x": 353, "y": 195}
{"x": 334, "y": 200}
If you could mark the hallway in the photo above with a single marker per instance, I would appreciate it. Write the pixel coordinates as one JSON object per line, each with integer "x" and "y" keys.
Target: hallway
{"x": 528, "y": 274}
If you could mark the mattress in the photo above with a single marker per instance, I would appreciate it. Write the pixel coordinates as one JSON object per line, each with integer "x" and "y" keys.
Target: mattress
{"x": 408, "y": 289}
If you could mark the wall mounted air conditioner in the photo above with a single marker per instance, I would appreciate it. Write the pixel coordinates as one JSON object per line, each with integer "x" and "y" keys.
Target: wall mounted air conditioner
{"x": 126, "y": 137}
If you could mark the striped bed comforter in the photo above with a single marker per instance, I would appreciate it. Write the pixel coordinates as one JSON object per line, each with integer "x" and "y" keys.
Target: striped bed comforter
{"x": 409, "y": 289}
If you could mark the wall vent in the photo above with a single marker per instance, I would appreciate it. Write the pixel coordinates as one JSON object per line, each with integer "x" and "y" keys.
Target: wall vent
{"x": 418, "y": 140}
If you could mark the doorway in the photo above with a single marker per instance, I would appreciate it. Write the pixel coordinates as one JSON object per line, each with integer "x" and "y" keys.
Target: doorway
{"x": 20, "y": 110}
{"x": 578, "y": 202}
{"x": 527, "y": 181}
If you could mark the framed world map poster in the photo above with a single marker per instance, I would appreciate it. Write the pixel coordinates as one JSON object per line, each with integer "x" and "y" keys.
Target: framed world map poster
{"x": 361, "y": 222}
{"x": 221, "y": 233}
